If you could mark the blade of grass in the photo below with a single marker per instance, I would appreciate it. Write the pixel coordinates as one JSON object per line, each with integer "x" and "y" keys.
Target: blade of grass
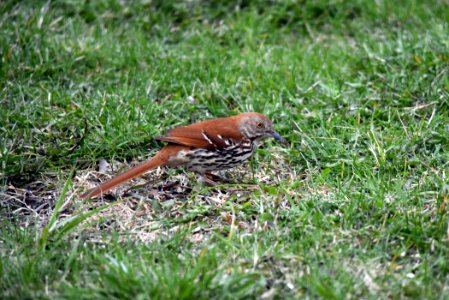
{"x": 66, "y": 226}
{"x": 43, "y": 237}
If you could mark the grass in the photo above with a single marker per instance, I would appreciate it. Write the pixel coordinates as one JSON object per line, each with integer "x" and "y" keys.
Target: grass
{"x": 356, "y": 207}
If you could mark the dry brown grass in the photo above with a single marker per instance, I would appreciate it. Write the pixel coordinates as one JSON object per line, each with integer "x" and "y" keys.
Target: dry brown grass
{"x": 156, "y": 204}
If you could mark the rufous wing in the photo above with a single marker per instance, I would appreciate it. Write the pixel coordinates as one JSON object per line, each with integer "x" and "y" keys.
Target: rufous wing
{"x": 210, "y": 134}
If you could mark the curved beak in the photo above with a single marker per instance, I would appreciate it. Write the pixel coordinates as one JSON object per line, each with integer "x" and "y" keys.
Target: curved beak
{"x": 279, "y": 138}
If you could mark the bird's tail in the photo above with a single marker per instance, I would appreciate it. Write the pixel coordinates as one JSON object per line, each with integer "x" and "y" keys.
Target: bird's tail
{"x": 159, "y": 160}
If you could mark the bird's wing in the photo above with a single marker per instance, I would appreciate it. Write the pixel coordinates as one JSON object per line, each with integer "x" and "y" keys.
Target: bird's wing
{"x": 210, "y": 134}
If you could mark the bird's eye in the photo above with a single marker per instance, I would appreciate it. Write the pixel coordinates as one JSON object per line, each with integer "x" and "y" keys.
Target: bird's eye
{"x": 259, "y": 125}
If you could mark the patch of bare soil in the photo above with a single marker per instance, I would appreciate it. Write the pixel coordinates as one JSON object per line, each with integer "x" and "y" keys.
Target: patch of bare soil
{"x": 156, "y": 204}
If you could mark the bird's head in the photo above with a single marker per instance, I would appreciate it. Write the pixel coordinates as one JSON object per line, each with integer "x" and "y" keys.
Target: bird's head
{"x": 256, "y": 127}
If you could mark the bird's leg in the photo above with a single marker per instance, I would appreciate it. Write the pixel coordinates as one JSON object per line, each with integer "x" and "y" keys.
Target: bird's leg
{"x": 212, "y": 179}
{"x": 216, "y": 177}
{"x": 208, "y": 180}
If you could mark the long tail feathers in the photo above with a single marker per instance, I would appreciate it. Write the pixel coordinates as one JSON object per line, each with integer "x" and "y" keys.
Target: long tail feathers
{"x": 160, "y": 159}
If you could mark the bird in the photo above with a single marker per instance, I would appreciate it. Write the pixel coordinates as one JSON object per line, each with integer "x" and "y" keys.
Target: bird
{"x": 202, "y": 147}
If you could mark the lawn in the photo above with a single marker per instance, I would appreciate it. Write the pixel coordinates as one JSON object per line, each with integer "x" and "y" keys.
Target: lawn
{"x": 356, "y": 206}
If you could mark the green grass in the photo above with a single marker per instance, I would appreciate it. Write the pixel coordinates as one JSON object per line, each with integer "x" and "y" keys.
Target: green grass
{"x": 356, "y": 207}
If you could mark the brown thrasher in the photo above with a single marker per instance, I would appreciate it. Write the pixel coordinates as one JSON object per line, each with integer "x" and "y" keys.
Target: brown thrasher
{"x": 202, "y": 147}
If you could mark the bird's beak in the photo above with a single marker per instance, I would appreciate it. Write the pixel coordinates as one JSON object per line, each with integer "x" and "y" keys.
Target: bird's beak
{"x": 279, "y": 138}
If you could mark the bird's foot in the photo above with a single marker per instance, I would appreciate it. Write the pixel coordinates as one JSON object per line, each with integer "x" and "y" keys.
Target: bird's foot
{"x": 212, "y": 179}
